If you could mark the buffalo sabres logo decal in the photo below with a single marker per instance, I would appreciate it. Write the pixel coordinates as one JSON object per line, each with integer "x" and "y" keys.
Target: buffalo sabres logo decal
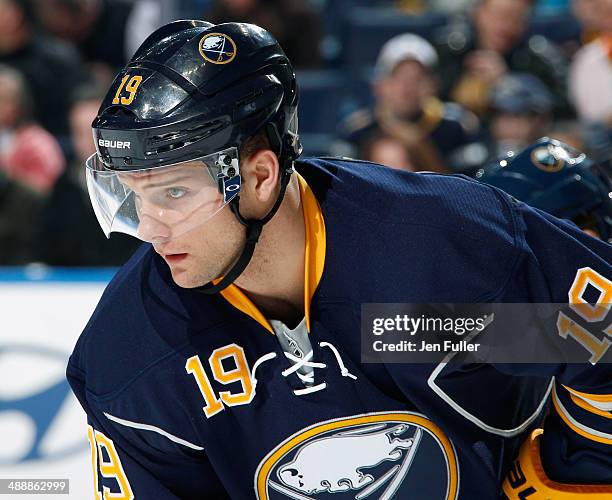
{"x": 547, "y": 159}
{"x": 374, "y": 456}
{"x": 217, "y": 48}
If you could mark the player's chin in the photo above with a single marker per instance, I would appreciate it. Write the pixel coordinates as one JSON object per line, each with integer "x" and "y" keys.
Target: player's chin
{"x": 183, "y": 277}
{"x": 186, "y": 278}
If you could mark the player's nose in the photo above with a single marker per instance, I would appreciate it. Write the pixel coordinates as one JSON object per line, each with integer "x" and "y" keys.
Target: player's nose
{"x": 152, "y": 230}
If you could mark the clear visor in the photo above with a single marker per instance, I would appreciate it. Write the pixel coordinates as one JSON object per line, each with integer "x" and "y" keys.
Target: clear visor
{"x": 158, "y": 204}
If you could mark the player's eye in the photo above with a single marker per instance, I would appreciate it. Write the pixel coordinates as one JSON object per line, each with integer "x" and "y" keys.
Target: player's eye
{"x": 175, "y": 192}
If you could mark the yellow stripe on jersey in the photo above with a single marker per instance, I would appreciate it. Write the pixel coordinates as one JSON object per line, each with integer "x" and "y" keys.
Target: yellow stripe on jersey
{"x": 593, "y": 403}
{"x": 577, "y": 427}
{"x": 590, "y": 408}
{"x": 236, "y": 297}
{"x": 314, "y": 253}
{"x": 314, "y": 260}
{"x": 600, "y": 398}
{"x": 527, "y": 479}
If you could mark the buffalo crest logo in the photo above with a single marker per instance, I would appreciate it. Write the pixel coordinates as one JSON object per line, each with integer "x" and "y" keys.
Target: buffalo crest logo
{"x": 217, "y": 48}
{"x": 547, "y": 159}
{"x": 374, "y": 456}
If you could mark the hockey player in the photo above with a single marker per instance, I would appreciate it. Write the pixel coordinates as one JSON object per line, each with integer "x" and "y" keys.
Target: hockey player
{"x": 560, "y": 180}
{"x": 223, "y": 360}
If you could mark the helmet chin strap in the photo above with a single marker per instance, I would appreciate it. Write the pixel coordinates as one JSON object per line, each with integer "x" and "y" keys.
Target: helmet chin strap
{"x": 253, "y": 231}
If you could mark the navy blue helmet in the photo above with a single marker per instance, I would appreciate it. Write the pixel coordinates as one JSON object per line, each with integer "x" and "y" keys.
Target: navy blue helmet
{"x": 558, "y": 179}
{"x": 193, "y": 94}
{"x": 200, "y": 88}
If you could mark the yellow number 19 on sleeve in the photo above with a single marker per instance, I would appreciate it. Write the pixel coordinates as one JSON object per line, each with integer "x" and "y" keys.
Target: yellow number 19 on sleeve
{"x": 110, "y": 468}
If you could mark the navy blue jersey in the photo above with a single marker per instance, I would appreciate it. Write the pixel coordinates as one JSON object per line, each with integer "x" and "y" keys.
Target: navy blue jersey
{"x": 193, "y": 396}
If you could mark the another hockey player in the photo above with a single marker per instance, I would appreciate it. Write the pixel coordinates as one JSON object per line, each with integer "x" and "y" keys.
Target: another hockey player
{"x": 224, "y": 358}
{"x": 560, "y": 180}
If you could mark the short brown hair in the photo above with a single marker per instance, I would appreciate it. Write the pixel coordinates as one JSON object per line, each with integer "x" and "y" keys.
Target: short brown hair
{"x": 253, "y": 144}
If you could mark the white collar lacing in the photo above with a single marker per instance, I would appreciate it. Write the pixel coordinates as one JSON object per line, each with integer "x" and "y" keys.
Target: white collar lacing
{"x": 298, "y": 363}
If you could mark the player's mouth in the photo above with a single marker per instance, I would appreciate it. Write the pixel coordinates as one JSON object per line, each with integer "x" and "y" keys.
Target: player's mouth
{"x": 175, "y": 258}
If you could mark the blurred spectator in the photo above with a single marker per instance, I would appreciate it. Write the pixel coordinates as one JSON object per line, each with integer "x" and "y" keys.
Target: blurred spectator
{"x": 597, "y": 139}
{"x": 146, "y": 17}
{"x": 521, "y": 106}
{"x": 387, "y": 150}
{"x": 590, "y": 21}
{"x": 293, "y": 22}
{"x": 590, "y": 80}
{"x": 520, "y": 112}
{"x": 413, "y": 7}
{"x": 594, "y": 17}
{"x": 50, "y": 66}
{"x": 106, "y": 32}
{"x": 473, "y": 57}
{"x": 191, "y": 9}
{"x": 453, "y": 7}
{"x": 570, "y": 133}
{"x": 68, "y": 233}
{"x": 554, "y": 7}
{"x": 406, "y": 107}
{"x": 28, "y": 153}
{"x": 19, "y": 209}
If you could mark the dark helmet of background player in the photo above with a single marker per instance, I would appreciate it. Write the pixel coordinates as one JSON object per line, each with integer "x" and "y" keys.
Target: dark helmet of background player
{"x": 203, "y": 88}
{"x": 558, "y": 179}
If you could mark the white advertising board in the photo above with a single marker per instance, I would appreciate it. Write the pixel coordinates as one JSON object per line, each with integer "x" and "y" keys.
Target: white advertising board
{"x": 43, "y": 429}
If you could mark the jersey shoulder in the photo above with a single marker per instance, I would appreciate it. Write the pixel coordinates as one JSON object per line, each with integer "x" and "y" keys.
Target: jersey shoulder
{"x": 444, "y": 229}
{"x": 141, "y": 319}
{"x": 441, "y": 201}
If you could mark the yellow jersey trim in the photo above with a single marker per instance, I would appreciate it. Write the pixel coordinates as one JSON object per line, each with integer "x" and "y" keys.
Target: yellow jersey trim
{"x": 577, "y": 427}
{"x": 314, "y": 252}
{"x": 590, "y": 408}
{"x": 236, "y": 297}
{"x": 589, "y": 401}
{"x": 528, "y": 473}
{"x": 600, "y": 398}
{"x": 314, "y": 260}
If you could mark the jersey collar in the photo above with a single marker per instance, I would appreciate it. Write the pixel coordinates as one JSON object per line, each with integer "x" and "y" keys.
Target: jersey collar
{"x": 314, "y": 260}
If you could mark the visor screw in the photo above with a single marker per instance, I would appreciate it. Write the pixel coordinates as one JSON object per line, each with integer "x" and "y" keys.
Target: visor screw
{"x": 231, "y": 172}
{"x": 127, "y": 160}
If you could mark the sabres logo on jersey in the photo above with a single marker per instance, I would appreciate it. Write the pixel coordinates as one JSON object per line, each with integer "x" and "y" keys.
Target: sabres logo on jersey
{"x": 218, "y": 48}
{"x": 374, "y": 456}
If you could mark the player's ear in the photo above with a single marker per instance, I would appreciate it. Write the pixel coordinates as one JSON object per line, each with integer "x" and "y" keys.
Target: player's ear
{"x": 260, "y": 173}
